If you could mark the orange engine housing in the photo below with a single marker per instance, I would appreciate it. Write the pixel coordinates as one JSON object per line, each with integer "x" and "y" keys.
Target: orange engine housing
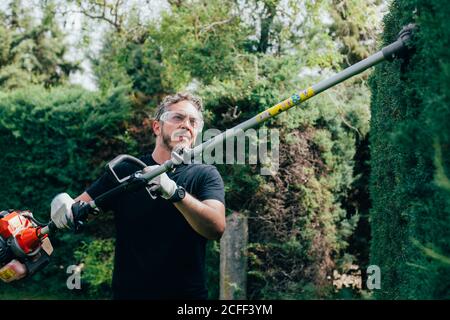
{"x": 26, "y": 234}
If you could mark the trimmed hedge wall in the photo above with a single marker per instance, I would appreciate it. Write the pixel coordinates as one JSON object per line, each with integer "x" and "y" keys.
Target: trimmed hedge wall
{"x": 410, "y": 144}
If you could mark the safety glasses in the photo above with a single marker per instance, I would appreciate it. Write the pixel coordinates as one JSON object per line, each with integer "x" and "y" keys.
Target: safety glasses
{"x": 178, "y": 117}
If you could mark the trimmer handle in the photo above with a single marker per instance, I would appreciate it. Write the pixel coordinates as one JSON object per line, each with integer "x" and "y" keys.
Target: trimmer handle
{"x": 80, "y": 212}
{"x": 119, "y": 159}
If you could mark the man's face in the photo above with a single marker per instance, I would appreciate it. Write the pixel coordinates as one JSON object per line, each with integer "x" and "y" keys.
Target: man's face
{"x": 179, "y": 125}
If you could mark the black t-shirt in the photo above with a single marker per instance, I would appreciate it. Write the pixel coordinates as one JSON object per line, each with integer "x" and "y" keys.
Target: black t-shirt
{"x": 158, "y": 255}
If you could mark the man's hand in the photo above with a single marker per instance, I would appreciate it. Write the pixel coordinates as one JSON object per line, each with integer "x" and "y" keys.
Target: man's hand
{"x": 61, "y": 211}
{"x": 162, "y": 183}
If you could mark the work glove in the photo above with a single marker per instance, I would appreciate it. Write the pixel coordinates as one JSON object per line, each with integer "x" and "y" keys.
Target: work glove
{"x": 162, "y": 183}
{"x": 61, "y": 211}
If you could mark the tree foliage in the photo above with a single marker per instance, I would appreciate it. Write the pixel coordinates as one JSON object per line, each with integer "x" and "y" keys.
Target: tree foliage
{"x": 32, "y": 51}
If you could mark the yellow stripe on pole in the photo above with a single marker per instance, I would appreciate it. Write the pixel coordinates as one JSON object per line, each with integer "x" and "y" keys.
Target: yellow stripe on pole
{"x": 306, "y": 94}
{"x": 285, "y": 105}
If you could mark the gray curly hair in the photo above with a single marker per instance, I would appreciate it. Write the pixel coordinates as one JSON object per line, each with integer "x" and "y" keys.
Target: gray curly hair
{"x": 175, "y": 98}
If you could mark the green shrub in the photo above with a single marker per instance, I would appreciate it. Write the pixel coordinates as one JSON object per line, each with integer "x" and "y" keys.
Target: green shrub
{"x": 97, "y": 262}
{"x": 58, "y": 141}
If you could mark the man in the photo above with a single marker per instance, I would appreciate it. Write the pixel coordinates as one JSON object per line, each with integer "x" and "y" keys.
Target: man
{"x": 160, "y": 243}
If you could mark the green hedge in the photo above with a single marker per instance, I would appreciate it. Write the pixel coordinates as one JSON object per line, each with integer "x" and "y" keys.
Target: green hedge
{"x": 410, "y": 138}
{"x": 58, "y": 141}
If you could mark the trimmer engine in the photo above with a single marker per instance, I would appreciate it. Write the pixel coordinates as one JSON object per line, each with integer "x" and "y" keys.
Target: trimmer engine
{"x": 24, "y": 247}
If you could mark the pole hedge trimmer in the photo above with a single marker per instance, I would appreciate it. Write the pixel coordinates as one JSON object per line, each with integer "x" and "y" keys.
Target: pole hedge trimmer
{"x": 24, "y": 244}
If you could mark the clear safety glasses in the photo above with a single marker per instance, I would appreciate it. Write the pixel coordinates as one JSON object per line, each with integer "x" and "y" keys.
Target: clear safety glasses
{"x": 177, "y": 117}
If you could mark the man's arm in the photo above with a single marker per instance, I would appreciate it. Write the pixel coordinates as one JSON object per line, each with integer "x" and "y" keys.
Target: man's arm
{"x": 83, "y": 197}
{"x": 207, "y": 217}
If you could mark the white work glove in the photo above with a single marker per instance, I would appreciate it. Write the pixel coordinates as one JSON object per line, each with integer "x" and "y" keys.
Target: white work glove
{"x": 162, "y": 183}
{"x": 61, "y": 211}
